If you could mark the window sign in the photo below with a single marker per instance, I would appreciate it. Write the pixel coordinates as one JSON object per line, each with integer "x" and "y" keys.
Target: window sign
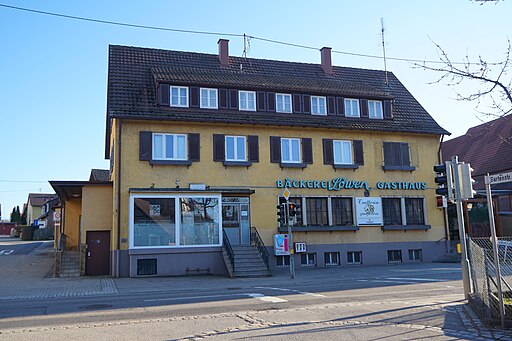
{"x": 281, "y": 245}
{"x": 369, "y": 211}
{"x": 300, "y": 247}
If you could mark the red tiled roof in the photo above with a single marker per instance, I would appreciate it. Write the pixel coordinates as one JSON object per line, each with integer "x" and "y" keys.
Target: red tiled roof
{"x": 39, "y": 199}
{"x": 487, "y": 147}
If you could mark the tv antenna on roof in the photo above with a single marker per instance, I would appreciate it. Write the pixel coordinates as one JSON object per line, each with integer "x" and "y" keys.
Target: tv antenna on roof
{"x": 383, "y": 48}
{"x": 247, "y": 45}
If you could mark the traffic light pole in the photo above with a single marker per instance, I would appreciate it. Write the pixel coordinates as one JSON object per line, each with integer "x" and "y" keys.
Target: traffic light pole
{"x": 290, "y": 240}
{"x": 466, "y": 277}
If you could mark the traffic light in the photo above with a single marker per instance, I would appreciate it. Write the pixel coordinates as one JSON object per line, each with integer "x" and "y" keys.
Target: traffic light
{"x": 466, "y": 182}
{"x": 444, "y": 179}
{"x": 281, "y": 214}
{"x": 292, "y": 209}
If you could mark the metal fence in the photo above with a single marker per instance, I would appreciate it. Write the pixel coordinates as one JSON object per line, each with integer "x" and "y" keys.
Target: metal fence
{"x": 485, "y": 295}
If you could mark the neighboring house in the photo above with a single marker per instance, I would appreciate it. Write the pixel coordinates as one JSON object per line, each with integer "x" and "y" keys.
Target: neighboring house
{"x": 46, "y": 219}
{"x": 34, "y": 205}
{"x": 488, "y": 149}
{"x": 84, "y": 214}
{"x": 202, "y": 147}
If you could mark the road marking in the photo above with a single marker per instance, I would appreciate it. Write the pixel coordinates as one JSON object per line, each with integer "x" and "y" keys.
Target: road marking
{"x": 418, "y": 279}
{"x": 271, "y": 299}
{"x": 386, "y": 281}
{"x": 257, "y": 296}
{"x": 6, "y": 252}
{"x": 192, "y": 297}
{"x": 291, "y": 290}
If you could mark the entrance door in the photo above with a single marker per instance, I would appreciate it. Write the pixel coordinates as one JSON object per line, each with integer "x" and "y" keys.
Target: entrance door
{"x": 235, "y": 220}
{"x": 97, "y": 254}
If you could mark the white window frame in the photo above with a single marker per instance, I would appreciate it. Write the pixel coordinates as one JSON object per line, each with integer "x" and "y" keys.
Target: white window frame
{"x": 179, "y": 88}
{"x": 331, "y": 263}
{"x": 315, "y": 109}
{"x": 290, "y": 149}
{"x": 211, "y": 93}
{"x": 235, "y": 147}
{"x": 413, "y": 252}
{"x": 375, "y": 110}
{"x": 338, "y": 159}
{"x": 307, "y": 255}
{"x": 283, "y": 263}
{"x": 131, "y": 216}
{"x": 398, "y": 251}
{"x": 349, "y": 103}
{"x": 283, "y": 109}
{"x": 403, "y": 212}
{"x": 351, "y": 257}
{"x": 244, "y": 105}
{"x": 175, "y": 146}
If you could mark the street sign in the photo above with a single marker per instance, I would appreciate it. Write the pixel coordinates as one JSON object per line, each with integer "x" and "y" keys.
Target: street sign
{"x": 286, "y": 193}
{"x": 498, "y": 178}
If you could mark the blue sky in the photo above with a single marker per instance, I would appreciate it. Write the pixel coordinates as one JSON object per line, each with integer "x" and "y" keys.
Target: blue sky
{"x": 54, "y": 70}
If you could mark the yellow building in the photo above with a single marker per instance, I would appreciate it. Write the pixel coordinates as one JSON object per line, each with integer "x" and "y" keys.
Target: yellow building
{"x": 203, "y": 148}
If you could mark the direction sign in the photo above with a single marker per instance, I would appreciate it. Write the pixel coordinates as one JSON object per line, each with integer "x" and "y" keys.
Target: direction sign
{"x": 498, "y": 178}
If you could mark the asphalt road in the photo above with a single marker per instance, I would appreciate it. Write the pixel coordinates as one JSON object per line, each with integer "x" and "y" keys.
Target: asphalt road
{"x": 13, "y": 247}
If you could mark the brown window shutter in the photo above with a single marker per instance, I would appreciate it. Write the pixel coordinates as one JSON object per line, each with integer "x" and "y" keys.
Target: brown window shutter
{"x": 253, "y": 148}
{"x": 331, "y": 106}
{"x": 297, "y": 103}
{"x": 388, "y": 109}
{"x": 388, "y": 159}
{"x": 404, "y": 151}
{"x": 271, "y": 101}
{"x": 261, "y": 101}
{"x": 218, "y": 148}
{"x": 306, "y": 104}
{"x": 233, "y": 99}
{"x": 194, "y": 149}
{"x": 145, "y": 145}
{"x": 358, "y": 152}
{"x": 223, "y": 98}
{"x": 164, "y": 95}
{"x": 328, "y": 152}
{"x": 307, "y": 150}
{"x": 194, "y": 97}
{"x": 363, "y": 104}
{"x": 341, "y": 106}
{"x": 275, "y": 149}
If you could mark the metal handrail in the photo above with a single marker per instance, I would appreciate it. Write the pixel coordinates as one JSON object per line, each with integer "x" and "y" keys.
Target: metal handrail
{"x": 226, "y": 246}
{"x": 258, "y": 242}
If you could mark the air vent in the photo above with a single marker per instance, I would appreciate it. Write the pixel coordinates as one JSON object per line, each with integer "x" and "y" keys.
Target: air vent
{"x": 146, "y": 267}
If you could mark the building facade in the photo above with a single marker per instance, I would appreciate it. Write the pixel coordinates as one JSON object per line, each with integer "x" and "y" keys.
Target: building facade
{"x": 203, "y": 146}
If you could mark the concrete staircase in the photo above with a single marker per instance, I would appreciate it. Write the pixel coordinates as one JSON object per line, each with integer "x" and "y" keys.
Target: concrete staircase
{"x": 448, "y": 258}
{"x": 248, "y": 262}
{"x": 70, "y": 264}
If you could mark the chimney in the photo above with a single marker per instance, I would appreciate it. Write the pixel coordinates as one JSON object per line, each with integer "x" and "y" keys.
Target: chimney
{"x": 326, "y": 60}
{"x": 223, "y": 52}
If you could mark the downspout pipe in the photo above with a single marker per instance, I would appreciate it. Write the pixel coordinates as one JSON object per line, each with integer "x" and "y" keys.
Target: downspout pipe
{"x": 118, "y": 246}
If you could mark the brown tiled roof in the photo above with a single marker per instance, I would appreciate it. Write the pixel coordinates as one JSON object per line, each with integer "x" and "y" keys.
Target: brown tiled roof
{"x": 487, "y": 147}
{"x": 99, "y": 175}
{"x": 134, "y": 72}
{"x": 39, "y": 199}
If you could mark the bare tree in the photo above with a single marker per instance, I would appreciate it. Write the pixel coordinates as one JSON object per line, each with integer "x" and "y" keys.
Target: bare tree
{"x": 493, "y": 80}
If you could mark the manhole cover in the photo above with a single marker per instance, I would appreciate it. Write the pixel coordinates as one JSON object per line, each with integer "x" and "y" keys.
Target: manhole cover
{"x": 95, "y": 306}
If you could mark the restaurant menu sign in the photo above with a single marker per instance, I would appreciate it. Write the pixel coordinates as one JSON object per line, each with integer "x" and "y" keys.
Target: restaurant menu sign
{"x": 369, "y": 211}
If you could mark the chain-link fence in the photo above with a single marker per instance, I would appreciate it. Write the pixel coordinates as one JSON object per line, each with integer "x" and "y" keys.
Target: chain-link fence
{"x": 483, "y": 274}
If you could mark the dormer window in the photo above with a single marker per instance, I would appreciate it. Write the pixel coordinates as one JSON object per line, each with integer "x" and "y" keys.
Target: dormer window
{"x": 352, "y": 107}
{"x": 208, "y": 98}
{"x": 375, "y": 109}
{"x": 283, "y": 103}
{"x": 247, "y": 100}
{"x": 179, "y": 96}
{"x": 318, "y": 105}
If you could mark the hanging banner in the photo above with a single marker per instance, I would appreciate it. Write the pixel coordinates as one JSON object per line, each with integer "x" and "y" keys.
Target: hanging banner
{"x": 369, "y": 211}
